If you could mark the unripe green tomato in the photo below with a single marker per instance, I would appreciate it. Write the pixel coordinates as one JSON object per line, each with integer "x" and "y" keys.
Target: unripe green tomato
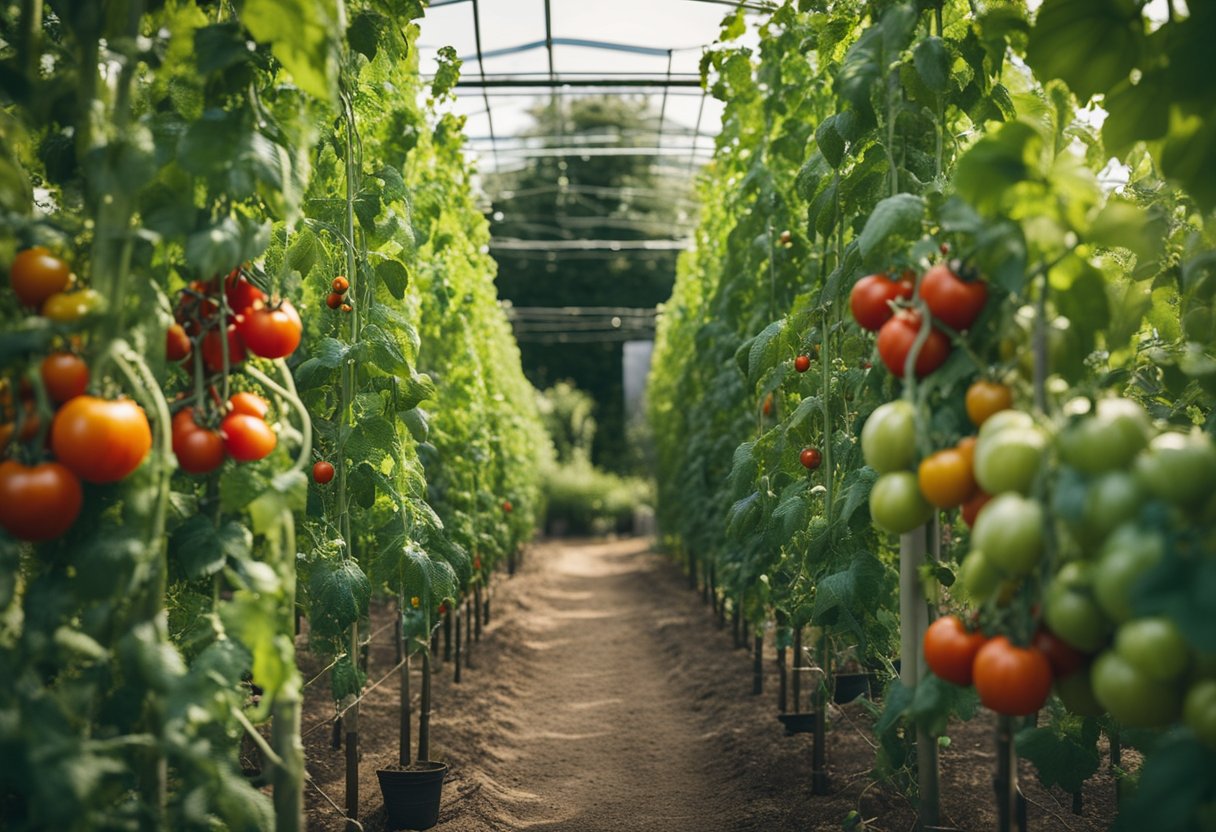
{"x": 978, "y": 578}
{"x": 1179, "y": 468}
{"x": 1009, "y": 531}
{"x": 1005, "y": 420}
{"x": 1077, "y": 694}
{"x": 888, "y": 438}
{"x": 1199, "y": 711}
{"x": 1154, "y": 646}
{"x": 1132, "y": 697}
{"x": 896, "y": 504}
{"x": 1112, "y": 499}
{"x": 1127, "y": 554}
{"x": 1071, "y": 611}
{"x": 1009, "y": 460}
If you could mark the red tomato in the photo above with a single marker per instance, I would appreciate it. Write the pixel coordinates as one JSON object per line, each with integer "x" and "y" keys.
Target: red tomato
{"x": 65, "y": 375}
{"x": 36, "y": 274}
{"x": 802, "y": 363}
{"x": 240, "y": 292}
{"x": 213, "y": 349}
{"x": 322, "y": 472}
{"x": 101, "y": 440}
{"x": 953, "y": 301}
{"x": 1011, "y": 680}
{"x": 507, "y": 507}
{"x": 810, "y": 458}
{"x": 38, "y": 502}
{"x": 247, "y": 438}
{"x": 340, "y": 285}
{"x": 1062, "y": 656}
{"x": 249, "y": 403}
{"x": 334, "y": 300}
{"x": 183, "y": 421}
{"x": 896, "y": 337}
{"x": 177, "y": 343}
{"x": 871, "y": 297}
{"x": 950, "y": 649}
{"x": 971, "y": 508}
{"x": 767, "y": 407}
{"x": 272, "y": 332}
{"x": 198, "y": 450}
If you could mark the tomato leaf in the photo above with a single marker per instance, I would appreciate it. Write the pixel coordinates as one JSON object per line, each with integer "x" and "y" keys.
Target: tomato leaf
{"x": 932, "y": 63}
{"x": 893, "y": 222}
{"x": 339, "y": 593}
{"x": 1065, "y": 754}
{"x": 302, "y": 35}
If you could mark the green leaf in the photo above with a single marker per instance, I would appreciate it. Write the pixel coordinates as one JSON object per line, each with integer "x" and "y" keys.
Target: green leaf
{"x": 1123, "y": 224}
{"x": 830, "y": 142}
{"x": 932, "y": 63}
{"x": 197, "y": 549}
{"x": 220, "y": 46}
{"x": 764, "y": 352}
{"x": 448, "y": 72}
{"x": 1091, "y": 44}
{"x": 1060, "y": 756}
{"x": 301, "y": 34}
{"x": 365, "y": 32}
{"x": 394, "y": 276}
{"x": 338, "y": 594}
{"x": 894, "y": 221}
{"x": 808, "y": 406}
{"x": 304, "y": 253}
{"x": 414, "y": 390}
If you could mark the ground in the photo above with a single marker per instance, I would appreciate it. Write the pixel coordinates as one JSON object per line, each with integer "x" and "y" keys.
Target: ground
{"x": 603, "y": 697}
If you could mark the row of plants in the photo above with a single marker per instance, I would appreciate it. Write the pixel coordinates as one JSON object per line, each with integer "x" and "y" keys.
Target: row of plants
{"x": 252, "y": 369}
{"x": 919, "y": 216}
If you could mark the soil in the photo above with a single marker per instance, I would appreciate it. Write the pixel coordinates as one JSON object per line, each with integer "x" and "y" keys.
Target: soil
{"x": 602, "y": 696}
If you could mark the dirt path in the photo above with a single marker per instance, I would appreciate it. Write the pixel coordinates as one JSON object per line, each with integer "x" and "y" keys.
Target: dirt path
{"x": 600, "y": 735}
{"x": 602, "y": 697}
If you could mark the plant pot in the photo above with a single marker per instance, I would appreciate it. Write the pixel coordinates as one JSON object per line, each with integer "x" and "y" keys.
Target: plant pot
{"x": 849, "y": 686}
{"x": 800, "y": 723}
{"x": 411, "y": 798}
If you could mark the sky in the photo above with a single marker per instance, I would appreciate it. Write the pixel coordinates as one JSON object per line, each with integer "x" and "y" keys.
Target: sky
{"x": 682, "y": 25}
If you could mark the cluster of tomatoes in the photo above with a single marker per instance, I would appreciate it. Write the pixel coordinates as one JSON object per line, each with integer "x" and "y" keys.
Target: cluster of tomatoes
{"x": 45, "y": 283}
{"x": 337, "y": 298}
{"x": 90, "y": 439}
{"x": 882, "y": 304}
{"x": 238, "y": 318}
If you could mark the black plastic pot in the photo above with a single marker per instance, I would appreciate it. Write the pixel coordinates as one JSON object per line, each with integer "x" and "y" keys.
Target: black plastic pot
{"x": 411, "y": 798}
{"x": 849, "y": 686}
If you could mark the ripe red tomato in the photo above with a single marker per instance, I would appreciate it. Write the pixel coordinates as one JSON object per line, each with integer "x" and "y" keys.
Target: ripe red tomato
{"x": 507, "y": 507}
{"x": 271, "y": 332}
{"x": 183, "y": 421}
{"x": 1062, "y": 656}
{"x": 802, "y": 363}
{"x": 322, "y": 472}
{"x": 198, "y": 450}
{"x": 950, "y": 649}
{"x": 810, "y": 458}
{"x": 1011, "y": 680}
{"x": 334, "y": 300}
{"x": 340, "y": 285}
{"x": 177, "y": 343}
{"x": 953, "y": 301}
{"x": 65, "y": 375}
{"x": 971, "y": 508}
{"x": 871, "y": 297}
{"x": 38, "y": 502}
{"x": 249, "y": 403}
{"x": 896, "y": 337}
{"x": 101, "y": 440}
{"x": 36, "y": 274}
{"x": 240, "y": 292}
{"x": 247, "y": 438}
{"x": 767, "y": 407}
{"x": 945, "y": 478}
{"x": 213, "y": 349}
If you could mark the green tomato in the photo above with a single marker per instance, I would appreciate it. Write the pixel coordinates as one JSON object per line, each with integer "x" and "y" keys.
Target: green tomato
{"x": 977, "y": 577}
{"x": 1004, "y": 420}
{"x": 896, "y": 504}
{"x": 1009, "y": 460}
{"x": 888, "y": 438}
{"x": 1132, "y": 697}
{"x": 1111, "y": 500}
{"x": 1155, "y": 647}
{"x": 1071, "y": 612}
{"x": 1179, "y": 468}
{"x": 1009, "y": 531}
{"x": 1127, "y": 554}
{"x": 1108, "y": 440}
{"x": 1077, "y": 694}
{"x": 1199, "y": 711}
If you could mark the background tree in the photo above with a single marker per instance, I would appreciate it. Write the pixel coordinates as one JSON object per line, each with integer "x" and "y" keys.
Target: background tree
{"x": 592, "y": 197}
